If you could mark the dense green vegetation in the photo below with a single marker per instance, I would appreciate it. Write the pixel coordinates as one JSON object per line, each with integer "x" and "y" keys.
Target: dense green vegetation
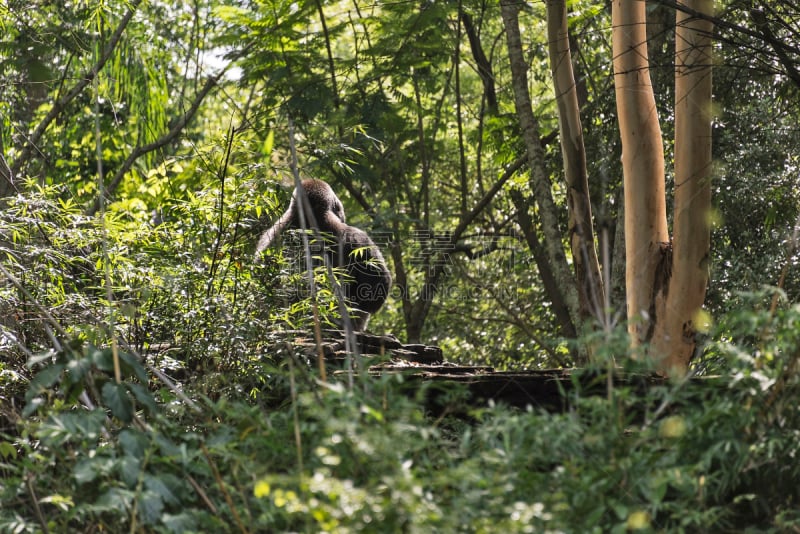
{"x": 263, "y": 447}
{"x": 141, "y": 388}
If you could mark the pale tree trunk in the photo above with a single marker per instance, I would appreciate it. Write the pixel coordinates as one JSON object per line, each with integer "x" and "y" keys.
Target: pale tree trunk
{"x": 646, "y": 234}
{"x": 675, "y": 335}
{"x": 581, "y": 234}
{"x": 542, "y": 187}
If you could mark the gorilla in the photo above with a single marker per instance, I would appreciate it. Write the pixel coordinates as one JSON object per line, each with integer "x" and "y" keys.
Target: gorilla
{"x": 367, "y": 279}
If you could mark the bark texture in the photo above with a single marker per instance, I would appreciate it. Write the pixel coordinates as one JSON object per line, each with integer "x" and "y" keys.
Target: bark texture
{"x": 581, "y": 234}
{"x": 675, "y": 334}
{"x": 542, "y": 188}
{"x": 646, "y": 234}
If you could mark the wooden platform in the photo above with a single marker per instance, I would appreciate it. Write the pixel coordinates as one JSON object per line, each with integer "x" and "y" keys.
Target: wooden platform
{"x": 425, "y": 366}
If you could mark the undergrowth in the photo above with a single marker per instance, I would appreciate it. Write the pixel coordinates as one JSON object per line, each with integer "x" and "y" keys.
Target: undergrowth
{"x": 175, "y": 414}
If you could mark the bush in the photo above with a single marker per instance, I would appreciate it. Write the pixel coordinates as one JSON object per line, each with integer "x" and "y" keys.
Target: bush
{"x": 245, "y": 438}
{"x": 711, "y": 454}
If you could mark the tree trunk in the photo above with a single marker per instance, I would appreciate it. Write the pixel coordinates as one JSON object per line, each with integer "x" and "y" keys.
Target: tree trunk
{"x": 616, "y": 287}
{"x": 646, "y": 234}
{"x": 581, "y": 234}
{"x": 6, "y": 176}
{"x": 542, "y": 188}
{"x": 675, "y": 335}
{"x": 551, "y": 288}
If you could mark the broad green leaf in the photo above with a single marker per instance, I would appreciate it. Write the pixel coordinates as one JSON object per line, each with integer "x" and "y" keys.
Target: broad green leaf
{"x": 43, "y": 380}
{"x": 150, "y": 507}
{"x": 269, "y": 142}
{"x": 114, "y": 500}
{"x": 103, "y": 359}
{"x": 133, "y": 366}
{"x": 115, "y": 396}
{"x": 130, "y": 469}
{"x": 133, "y": 442}
{"x": 89, "y": 469}
{"x": 77, "y": 369}
{"x": 143, "y": 395}
{"x": 158, "y": 485}
{"x": 31, "y": 405}
{"x": 40, "y": 357}
{"x": 7, "y": 450}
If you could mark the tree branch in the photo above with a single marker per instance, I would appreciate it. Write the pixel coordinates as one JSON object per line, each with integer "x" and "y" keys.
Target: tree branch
{"x": 488, "y": 197}
{"x": 83, "y": 81}
{"x": 158, "y": 143}
{"x": 482, "y": 62}
{"x": 788, "y": 63}
{"x": 6, "y": 176}
{"x": 720, "y": 23}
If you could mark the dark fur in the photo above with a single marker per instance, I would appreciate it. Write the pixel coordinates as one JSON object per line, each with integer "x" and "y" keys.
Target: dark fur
{"x": 368, "y": 279}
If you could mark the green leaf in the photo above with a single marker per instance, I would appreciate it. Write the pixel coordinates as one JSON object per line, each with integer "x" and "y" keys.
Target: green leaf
{"x": 39, "y": 384}
{"x": 145, "y": 398}
{"x": 46, "y": 377}
{"x": 85, "y": 471}
{"x": 89, "y": 469}
{"x": 129, "y": 470}
{"x": 77, "y": 369}
{"x": 150, "y": 507}
{"x": 133, "y": 442}
{"x": 31, "y": 405}
{"x": 114, "y": 500}
{"x": 158, "y": 485}
{"x": 103, "y": 359}
{"x": 183, "y": 522}
{"x": 7, "y": 450}
{"x": 269, "y": 143}
{"x": 133, "y": 366}
{"x": 115, "y": 396}
{"x": 45, "y": 356}
{"x": 167, "y": 447}
{"x": 72, "y": 426}
{"x": 232, "y": 14}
